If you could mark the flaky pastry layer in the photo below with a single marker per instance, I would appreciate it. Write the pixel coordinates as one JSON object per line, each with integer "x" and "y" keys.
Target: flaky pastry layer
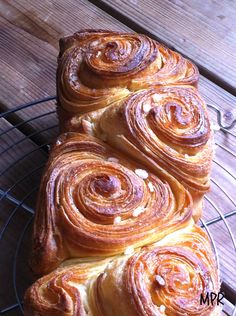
{"x": 96, "y": 202}
{"x": 166, "y": 278}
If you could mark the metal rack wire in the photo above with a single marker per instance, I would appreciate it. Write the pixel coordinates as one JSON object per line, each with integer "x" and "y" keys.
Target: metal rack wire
{"x": 24, "y": 204}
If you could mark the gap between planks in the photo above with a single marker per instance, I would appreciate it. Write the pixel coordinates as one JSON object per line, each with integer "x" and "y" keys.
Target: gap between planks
{"x": 135, "y": 26}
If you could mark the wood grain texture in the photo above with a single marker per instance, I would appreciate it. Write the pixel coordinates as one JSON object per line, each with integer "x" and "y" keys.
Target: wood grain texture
{"x": 28, "y": 161}
{"x": 225, "y": 250}
{"x": 8, "y": 246}
{"x": 202, "y": 30}
{"x": 29, "y": 34}
{"x": 228, "y": 308}
{"x": 38, "y": 158}
{"x": 29, "y": 43}
{"x": 21, "y": 159}
{"x": 41, "y": 47}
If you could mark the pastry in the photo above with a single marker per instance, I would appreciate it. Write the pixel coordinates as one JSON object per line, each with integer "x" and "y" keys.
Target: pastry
{"x": 166, "y": 278}
{"x": 114, "y": 230}
{"x": 141, "y": 97}
{"x": 96, "y": 68}
{"x": 163, "y": 126}
{"x": 93, "y": 201}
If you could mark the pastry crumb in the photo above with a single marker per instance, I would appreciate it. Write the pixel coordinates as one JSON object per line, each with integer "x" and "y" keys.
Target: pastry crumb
{"x": 146, "y": 107}
{"x": 156, "y": 97}
{"x": 129, "y": 250}
{"x": 151, "y": 186}
{"x": 162, "y": 309}
{"x": 58, "y": 142}
{"x": 117, "y": 220}
{"x": 113, "y": 159}
{"x": 141, "y": 173}
{"x": 138, "y": 211}
{"x": 160, "y": 280}
{"x": 87, "y": 126}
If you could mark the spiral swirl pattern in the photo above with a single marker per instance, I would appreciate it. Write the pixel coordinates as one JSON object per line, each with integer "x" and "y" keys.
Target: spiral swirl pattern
{"x": 170, "y": 126}
{"x": 92, "y": 206}
{"x": 176, "y": 115}
{"x": 97, "y": 68}
{"x": 165, "y": 279}
{"x": 122, "y": 237}
{"x": 63, "y": 292}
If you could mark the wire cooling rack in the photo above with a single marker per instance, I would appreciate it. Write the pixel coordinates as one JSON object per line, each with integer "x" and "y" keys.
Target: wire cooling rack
{"x": 20, "y": 179}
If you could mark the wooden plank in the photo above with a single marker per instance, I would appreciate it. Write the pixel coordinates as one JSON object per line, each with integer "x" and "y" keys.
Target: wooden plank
{"x": 222, "y": 191}
{"x": 226, "y": 250}
{"x": 29, "y": 47}
{"x": 22, "y": 159}
{"x": 228, "y": 308}
{"x": 38, "y": 121}
{"x": 28, "y": 52}
{"x": 8, "y": 246}
{"x": 203, "y": 31}
{"x": 18, "y": 222}
{"x": 221, "y": 198}
{"x": 29, "y": 35}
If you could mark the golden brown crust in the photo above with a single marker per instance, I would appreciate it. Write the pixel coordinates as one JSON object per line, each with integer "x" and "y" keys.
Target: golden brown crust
{"x": 166, "y": 278}
{"x": 94, "y": 201}
{"x": 99, "y": 69}
{"x": 97, "y": 206}
{"x": 164, "y": 126}
{"x": 162, "y": 279}
{"x": 96, "y": 68}
{"x": 63, "y": 292}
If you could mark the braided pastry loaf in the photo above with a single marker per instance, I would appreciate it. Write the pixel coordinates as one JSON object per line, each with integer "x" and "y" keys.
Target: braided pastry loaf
{"x": 142, "y": 98}
{"x": 166, "y": 278}
{"x": 96, "y": 202}
{"x": 96, "y": 68}
{"x": 114, "y": 224}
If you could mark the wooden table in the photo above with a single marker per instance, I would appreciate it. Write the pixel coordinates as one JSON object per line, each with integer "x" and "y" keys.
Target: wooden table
{"x": 204, "y": 31}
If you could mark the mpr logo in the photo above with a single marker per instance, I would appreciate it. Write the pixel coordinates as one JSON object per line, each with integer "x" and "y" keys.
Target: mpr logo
{"x": 212, "y": 298}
